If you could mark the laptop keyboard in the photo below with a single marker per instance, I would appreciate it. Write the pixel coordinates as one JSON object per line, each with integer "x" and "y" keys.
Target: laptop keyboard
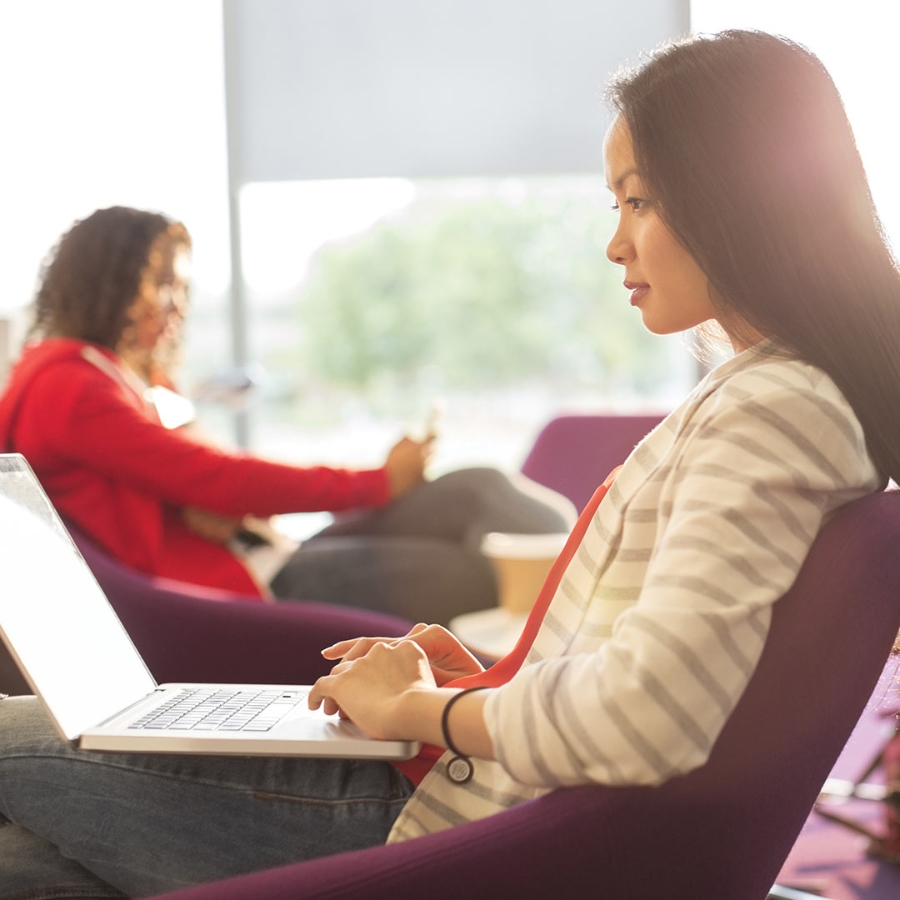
{"x": 211, "y": 709}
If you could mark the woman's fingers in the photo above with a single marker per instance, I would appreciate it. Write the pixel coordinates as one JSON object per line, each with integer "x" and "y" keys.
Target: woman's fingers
{"x": 368, "y": 689}
{"x": 356, "y": 647}
{"x": 353, "y": 648}
{"x": 321, "y": 695}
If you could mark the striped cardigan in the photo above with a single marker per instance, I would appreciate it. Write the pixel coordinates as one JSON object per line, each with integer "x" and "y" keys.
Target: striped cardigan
{"x": 661, "y": 616}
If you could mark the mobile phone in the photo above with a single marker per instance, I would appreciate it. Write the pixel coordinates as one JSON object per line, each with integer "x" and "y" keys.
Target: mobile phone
{"x": 428, "y": 426}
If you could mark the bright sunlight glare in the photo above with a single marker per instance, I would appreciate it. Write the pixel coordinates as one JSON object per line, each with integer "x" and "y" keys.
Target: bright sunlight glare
{"x": 857, "y": 42}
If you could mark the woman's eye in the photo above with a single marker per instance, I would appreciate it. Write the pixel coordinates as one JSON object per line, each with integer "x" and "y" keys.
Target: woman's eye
{"x": 636, "y": 204}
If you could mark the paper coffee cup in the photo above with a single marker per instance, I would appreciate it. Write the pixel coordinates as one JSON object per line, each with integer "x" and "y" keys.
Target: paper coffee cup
{"x": 521, "y": 563}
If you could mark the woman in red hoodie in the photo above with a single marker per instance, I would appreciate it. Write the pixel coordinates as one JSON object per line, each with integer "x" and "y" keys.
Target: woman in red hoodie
{"x": 166, "y": 502}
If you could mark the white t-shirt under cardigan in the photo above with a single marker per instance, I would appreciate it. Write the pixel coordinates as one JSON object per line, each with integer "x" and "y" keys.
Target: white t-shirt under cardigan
{"x": 661, "y": 616}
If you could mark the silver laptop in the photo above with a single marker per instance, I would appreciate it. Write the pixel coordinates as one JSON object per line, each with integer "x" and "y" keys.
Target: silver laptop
{"x": 74, "y": 653}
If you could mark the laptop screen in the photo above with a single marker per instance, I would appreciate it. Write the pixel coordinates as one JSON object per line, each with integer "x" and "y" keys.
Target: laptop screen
{"x": 54, "y": 618}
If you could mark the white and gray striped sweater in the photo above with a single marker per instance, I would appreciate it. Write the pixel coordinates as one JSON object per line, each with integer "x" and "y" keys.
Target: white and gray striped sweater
{"x": 661, "y": 616}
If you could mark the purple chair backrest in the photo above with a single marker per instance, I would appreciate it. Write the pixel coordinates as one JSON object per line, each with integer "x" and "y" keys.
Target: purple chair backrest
{"x": 721, "y": 831}
{"x": 574, "y": 453}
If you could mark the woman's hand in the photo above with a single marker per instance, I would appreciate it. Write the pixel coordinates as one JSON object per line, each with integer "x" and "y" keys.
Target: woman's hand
{"x": 406, "y": 463}
{"x": 387, "y": 686}
{"x": 371, "y": 689}
{"x": 447, "y": 657}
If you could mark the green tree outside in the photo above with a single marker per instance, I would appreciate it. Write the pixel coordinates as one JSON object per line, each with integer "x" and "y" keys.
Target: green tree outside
{"x": 489, "y": 295}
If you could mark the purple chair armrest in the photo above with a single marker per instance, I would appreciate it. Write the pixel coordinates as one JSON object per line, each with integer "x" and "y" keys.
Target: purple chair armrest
{"x": 505, "y": 856}
{"x": 189, "y": 633}
{"x": 187, "y": 639}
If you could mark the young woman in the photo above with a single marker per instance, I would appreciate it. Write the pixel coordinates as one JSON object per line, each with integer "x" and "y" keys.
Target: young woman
{"x": 162, "y": 500}
{"x": 743, "y": 208}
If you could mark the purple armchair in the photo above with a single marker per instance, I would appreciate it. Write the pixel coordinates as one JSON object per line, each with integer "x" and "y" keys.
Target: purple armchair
{"x": 721, "y": 831}
{"x": 574, "y": 453}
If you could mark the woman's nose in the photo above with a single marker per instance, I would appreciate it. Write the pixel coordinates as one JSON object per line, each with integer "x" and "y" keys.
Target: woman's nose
{"x": 618, "y": 249}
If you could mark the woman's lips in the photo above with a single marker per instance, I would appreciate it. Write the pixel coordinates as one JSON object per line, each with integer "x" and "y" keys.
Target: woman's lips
{"x": 637, "y": 291}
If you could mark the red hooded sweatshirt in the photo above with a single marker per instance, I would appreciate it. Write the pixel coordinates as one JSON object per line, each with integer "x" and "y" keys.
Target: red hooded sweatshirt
{"x": 79, "y": 418}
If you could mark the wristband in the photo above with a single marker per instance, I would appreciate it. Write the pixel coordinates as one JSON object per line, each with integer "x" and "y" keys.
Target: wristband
{"x": 459, "y": 768}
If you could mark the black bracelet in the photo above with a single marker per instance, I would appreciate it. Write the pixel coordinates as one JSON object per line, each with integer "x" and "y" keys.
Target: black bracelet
{"x": 459, "y": 769}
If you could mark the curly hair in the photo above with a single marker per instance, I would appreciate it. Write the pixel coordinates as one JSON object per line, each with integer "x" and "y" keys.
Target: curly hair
{"x": 92, "y": 276}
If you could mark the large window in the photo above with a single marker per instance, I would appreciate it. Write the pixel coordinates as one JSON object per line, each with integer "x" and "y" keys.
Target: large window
{"x": 370, "y": 298}
{"x": 366, "y": 299}
{"x": 857, "y": 43}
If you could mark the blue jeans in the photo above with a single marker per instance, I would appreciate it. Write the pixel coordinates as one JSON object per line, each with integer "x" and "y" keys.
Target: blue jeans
{"x": 83, "y": 824}
{"x": 419, "y": 557}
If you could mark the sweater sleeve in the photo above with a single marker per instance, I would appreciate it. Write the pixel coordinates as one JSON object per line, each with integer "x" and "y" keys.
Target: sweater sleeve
{"x": 93, "y": 424}
{"x": 738, "y": 509}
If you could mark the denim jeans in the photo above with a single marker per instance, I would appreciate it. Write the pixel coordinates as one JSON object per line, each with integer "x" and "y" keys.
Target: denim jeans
{"x": 419, "y": 557}
{"x": 83, "y": 824}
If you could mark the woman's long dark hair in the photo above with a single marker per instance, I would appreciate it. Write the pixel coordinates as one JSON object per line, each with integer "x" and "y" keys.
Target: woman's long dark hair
{"x": 93, "y": 275}
{"x": 742, "y": 139}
